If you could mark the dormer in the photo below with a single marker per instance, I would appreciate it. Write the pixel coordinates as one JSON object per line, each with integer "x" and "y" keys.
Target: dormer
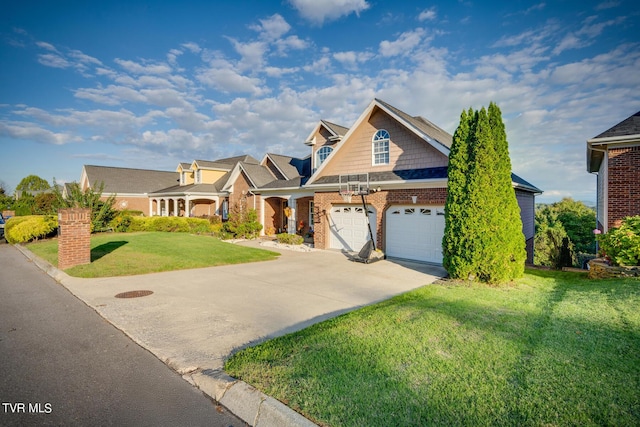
{"x": 186, "y": 173}
{"x": 322, "y": 139}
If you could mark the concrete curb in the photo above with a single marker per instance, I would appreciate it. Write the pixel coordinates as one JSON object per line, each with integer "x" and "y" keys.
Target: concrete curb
{"x": 247, "y": 403}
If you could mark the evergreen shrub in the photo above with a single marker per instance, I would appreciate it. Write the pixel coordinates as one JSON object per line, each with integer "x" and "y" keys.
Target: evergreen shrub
{"x": 23, "y": 229}
{"x": 621, "y": 245}
{"x": 169, "y": 224}
{"x": 289, "y": 239}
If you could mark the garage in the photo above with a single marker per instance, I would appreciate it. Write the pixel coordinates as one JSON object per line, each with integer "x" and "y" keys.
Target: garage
{"x": 415, "y": 232}
{"x": 349, "y": 228}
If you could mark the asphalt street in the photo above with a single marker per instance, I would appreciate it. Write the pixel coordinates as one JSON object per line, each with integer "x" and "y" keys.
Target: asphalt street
{"x": 63, "y": 364}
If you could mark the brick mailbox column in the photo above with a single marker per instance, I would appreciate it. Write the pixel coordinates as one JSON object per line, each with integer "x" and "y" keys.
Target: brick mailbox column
{"x": 74, "y": 240}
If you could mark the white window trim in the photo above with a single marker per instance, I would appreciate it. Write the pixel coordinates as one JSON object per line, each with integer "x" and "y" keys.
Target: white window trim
{"x": 318, "y": 161}
{"x": 374, "y": 142}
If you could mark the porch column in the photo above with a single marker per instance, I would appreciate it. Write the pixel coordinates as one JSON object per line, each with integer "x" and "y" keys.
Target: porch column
{"x": 291, "y": 221}
{"x": 175, "y": 206}
{"x": 261, "y": 218}
{"x": 187, "y": 206}
{"x": 150, "y": 206}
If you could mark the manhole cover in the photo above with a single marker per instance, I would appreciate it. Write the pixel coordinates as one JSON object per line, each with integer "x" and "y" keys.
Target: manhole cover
{"x": 134, "y": 294}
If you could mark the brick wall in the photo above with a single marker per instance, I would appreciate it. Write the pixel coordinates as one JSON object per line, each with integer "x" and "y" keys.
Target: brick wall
{"x": 623, "y": 184}
{"x": 246, "y": 200}
{"x": 74, "y": 241}
{"x": 380, "y": 200}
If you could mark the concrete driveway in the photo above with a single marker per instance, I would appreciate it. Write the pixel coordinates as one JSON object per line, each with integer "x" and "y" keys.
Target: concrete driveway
{"x": 195, "y": 318}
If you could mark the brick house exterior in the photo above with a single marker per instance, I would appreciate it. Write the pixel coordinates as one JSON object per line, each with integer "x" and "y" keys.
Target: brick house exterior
{"x": 614, "y": 156}
{"x": 404, "y": 161}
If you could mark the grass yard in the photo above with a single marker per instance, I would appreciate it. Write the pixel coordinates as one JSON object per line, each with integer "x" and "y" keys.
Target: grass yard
{"x": 554, "y": 349}
{"x": 125, "y": 254}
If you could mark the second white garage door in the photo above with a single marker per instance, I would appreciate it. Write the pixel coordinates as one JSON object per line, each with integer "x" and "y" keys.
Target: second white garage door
{"x": 349, "y": 229}
{"x": 415, "y": 232}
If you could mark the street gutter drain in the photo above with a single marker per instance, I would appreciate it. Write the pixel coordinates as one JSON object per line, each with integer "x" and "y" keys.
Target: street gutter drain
{"x": 134, "y": 294}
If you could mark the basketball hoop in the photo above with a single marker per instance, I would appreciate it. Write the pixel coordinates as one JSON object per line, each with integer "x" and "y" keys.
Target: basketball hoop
{"x": 346, "y": 195}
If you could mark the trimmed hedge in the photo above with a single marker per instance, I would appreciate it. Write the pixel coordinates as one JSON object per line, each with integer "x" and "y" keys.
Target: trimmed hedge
{"x": 23, "y": 229}
{"x": 289, "y": 239}
{"x": 170, "y": 224}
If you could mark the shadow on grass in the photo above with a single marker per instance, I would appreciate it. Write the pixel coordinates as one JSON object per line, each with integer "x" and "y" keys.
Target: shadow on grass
{"x": 105, "y": 249}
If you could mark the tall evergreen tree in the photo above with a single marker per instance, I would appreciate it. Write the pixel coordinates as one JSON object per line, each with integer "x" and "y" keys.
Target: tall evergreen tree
{"x": 482, "y": 206}
{"x": 455, "y": 260}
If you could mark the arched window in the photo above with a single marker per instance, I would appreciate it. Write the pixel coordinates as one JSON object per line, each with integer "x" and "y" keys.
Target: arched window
{"x": 380, "y": 147}
{"x": 322, "y": 154}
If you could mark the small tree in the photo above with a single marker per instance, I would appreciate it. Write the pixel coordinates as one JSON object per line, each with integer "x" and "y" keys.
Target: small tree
{"x": 243, "y": 222}
{"x": 102, "y": 211}
{"x": 483, "y": 230}
{"x": 32, "y": 183}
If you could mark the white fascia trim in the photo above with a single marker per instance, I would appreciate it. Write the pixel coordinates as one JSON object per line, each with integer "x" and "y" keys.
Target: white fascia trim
{"x": 390, "y": 185}
{"x": 339, "y": 145}
{"x": 277, "y": 167}
{"x": 631, "y": 139}
{"x": 310, "y": 140}
{"x": 434, "y": 143}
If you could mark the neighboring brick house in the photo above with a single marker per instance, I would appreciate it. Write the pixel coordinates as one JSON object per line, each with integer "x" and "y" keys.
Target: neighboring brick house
{"x": 401, "y": 158}
{"x": 614, "y": 156}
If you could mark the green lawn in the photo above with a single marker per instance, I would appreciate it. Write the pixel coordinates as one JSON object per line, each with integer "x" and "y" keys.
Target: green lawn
{"x": 124, "y": 254}
{"x": 554, "y": 349}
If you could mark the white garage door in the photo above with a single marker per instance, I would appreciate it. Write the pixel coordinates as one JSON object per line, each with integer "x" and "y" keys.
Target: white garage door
{"x": 349, "y": 228}
{"x": 415, "y": 232}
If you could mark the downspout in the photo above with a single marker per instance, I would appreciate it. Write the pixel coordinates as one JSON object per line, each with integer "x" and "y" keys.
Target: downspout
{"x": 597, "y": 174}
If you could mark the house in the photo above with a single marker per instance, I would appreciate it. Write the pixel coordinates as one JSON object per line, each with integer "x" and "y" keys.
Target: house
{"x": 399, "y": 161}
{"x": 614, "y": 156}
{"x": 403, "y": 160}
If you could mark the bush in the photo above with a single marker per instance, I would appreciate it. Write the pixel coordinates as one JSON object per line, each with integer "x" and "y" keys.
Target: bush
{"x": 122, "y": 221}
{"x": 23, "y": 229}
{"x": 622, "y": 244}
{"x": 290, "y": 239}
{"x": 169, "y": 224}
{"x": 243, "y": 223}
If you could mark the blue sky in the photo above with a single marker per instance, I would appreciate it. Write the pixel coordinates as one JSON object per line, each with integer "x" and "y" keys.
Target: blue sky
{"x": 152, "y": 84}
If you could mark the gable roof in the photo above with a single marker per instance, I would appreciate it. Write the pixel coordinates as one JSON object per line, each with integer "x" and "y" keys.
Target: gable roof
{"x": 128, "y": 180}
{"x": 224, "y": 164}
{"x": 435, "y": 133}
{"x": 627, "y": 127}
{"x": 290, "y": 167}
{"x": 424, "y": 129}
{"x": 625, "y": 132}
{"x": 337, "y": 132}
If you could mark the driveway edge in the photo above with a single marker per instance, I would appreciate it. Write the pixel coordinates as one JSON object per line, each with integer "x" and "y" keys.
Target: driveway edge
{"x": 244, "y": 401}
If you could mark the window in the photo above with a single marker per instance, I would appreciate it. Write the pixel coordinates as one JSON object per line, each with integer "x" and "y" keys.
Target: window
{"x": 381, "y": 147}
{"x": 311, "y": 220}
{"x": 198, "y": 176}
{"x": 322, "y": 154}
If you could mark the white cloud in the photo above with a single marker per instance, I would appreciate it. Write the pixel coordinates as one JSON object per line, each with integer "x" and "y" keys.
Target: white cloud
{"x": 228, "y": 80}
{"x": 427, "y": 14}
{"x": 136, "y": 68}
{"x": 607, "y": 5}
{"x": 351, "y": 59}
{"x": 46, "y": 46}
{"x": 403, "y": 44}
{"x": 192, "y": 47}
{"x": 318, "y": 12}
{"x": 33, "y": 132}
{"x": 272, "y": 28}
{"x": 53, "y": 60}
